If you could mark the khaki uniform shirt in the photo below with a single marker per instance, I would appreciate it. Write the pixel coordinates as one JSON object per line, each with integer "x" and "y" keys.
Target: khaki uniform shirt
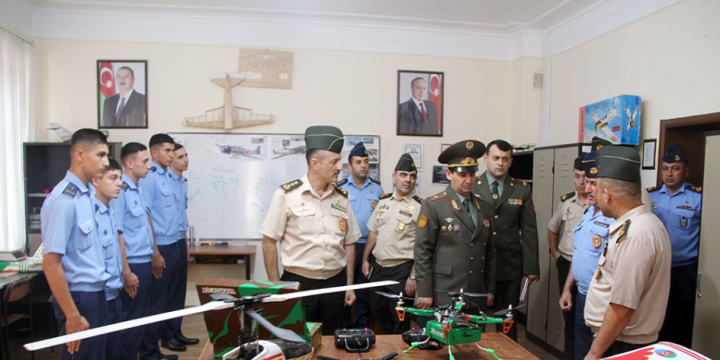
{"x": 634, "y": 271}
{"x": 312, "y": 229}
{"x": 567, "y": 214}
{"x": 395, "y": 221}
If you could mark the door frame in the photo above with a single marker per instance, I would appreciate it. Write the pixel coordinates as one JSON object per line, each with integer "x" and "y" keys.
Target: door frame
{"x": 688, "y": 132}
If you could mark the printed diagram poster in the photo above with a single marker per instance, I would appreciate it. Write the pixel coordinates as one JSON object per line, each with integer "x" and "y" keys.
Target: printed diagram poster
{"x": 240, "y": 147}
{"x": 288, "y": 148}
{"x": 416, "y": 151}
{"x": 266, "y": 68}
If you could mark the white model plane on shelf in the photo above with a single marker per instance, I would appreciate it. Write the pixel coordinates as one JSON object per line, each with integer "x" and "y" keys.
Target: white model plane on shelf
{"x": 604, "y": 122}
{"x": 228, "y": 116}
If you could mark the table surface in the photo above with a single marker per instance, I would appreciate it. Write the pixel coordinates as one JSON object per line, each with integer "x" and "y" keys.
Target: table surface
{"x": 222, "y": 250}
{"x": 505, "y": 349}
{"x": 6, "y": 280}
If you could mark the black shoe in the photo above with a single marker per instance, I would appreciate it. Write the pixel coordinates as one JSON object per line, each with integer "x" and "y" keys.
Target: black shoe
{"x": 173, "y": 345}
{"x": 187, "y": 341}
{"x": 166, "y": 357}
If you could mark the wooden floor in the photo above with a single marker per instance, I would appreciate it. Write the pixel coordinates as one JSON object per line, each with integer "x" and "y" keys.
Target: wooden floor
{"x": 194, "y": 327}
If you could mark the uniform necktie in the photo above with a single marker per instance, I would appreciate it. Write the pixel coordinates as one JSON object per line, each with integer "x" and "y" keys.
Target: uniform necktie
{"x": 120, "y": 110}
{"x": 466, "y": 205}
{"x": 494, "y": 189}
{"x": 422, "y": 109}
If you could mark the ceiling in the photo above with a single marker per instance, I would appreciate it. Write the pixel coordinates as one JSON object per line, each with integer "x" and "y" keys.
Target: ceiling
{"x": 494, "y": 16}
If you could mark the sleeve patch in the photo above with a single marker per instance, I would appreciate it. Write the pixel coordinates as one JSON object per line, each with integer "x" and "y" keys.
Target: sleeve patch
{"x": 422, "y": 221}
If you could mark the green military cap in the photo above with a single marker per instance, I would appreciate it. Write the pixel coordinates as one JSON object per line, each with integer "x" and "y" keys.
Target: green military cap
{"x": 598, "y": 143}
{"x": 324, "y": 137}
{"x": 462, "y": 156}
{"x": 617, "y": 162}
{"x": 406, "y": 163}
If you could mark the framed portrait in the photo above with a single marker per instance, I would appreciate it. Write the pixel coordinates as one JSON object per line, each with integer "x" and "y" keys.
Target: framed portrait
{"x": 420, "y": 103}
{"x": 122, "y": 94}
{"x": 648, "y": 160}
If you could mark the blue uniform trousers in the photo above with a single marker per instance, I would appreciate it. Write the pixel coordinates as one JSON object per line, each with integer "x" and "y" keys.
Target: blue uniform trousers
{"x": 92, "y": 306}
{"x": 583, "y": 335}
{"x": 159, "y": 301}
{"x": 362, "y": 301}
{"x": 134, "y": 309}
{"x": 114, "y": 315}
{"x": 680, "y": 314}
{"x": 563, "y": 267}
{"x": 176, "y": 299}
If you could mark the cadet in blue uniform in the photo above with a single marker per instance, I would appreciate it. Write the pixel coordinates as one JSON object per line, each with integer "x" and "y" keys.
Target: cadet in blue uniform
{"x": 107, "y": 187}
{"x": 678, "y": 205}
{"x": 141, "y": 258}
{"x": 179, "y": 185}
{"x": 591, "y": 234}
{"x": 364, "y": 193}
{"x": 166, "y": 223}
{"x": 73, "y": 256}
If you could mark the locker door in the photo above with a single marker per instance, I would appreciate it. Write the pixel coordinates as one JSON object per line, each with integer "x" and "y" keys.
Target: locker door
{"x": 563, "y": 184}
{"x": 542, "y": 197}
{"x": 707, "y": 303}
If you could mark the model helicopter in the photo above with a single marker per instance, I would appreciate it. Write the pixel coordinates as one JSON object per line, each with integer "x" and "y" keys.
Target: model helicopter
{"x": 289, "y": 345}
{"x": 451, "y": 325}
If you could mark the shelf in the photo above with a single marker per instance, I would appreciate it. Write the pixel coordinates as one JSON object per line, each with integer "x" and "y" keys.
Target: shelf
{"x": 38, "y": 195}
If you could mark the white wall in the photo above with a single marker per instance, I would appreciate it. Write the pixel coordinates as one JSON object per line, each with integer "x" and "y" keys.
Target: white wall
{"x": 355, "y": 91}
{"x": 526, "y": 102}
{"x": 669, "y": 58}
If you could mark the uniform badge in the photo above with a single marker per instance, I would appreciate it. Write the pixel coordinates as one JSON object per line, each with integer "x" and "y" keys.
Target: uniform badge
{"x": 683, "y": 222}
{"x": 515, "y": 202}
{"x": 373, "y": 204}
{"x": 444, "y": 228}
{"x": 486, "y": 222}
{"x": 105, "y": 232}
{"x": 455, "y": 205}
{"x": 135, "y": 202}
{"x": 422, "y": 221}
{"x": 401, "y": 225}
{"x": 457, "y": 228}
{"x": 495, "y": 196}
{"x": 341, "y": 224}
{"x": 338, "y": 207}
{"x": 597, "y": 241}
{"x": 469, "y": 145}
{"x": 449, "y": 219}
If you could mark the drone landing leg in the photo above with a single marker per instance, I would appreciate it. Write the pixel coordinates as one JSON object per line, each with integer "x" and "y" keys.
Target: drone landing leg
{"x": 489, "y": 351}
{"x": 450, "y": 352}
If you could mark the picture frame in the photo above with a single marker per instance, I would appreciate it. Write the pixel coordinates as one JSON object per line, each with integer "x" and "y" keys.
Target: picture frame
{"x": 416, "y": 151}
{"x": 122, "y": 95}
{"x": 439, "y": 176}
{"x": 420, "y": 103}
{"x": 649, "y": 150}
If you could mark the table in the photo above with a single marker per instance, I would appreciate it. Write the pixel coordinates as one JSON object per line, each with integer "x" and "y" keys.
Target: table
{"x": 245, "y": 251}
{"x": 505, "y": 349}
{"x": 6, "y": 280}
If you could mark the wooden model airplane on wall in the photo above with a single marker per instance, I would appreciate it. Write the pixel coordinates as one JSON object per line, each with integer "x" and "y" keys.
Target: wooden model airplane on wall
{"x": 228, "y": 117}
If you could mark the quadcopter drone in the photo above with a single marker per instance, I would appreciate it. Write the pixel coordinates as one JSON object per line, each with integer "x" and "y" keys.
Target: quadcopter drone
{"x": 288, "y": 345}
{"x": 451, "y": 325}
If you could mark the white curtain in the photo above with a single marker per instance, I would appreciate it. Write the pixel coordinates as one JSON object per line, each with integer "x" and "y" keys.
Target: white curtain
{"x": 17, "y": 124}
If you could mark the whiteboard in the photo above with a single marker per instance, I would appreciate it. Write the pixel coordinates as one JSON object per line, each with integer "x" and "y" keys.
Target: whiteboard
{"x": 232, "y": 177}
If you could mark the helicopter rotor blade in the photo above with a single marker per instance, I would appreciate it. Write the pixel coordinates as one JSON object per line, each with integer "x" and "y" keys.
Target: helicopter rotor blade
{"x": 223, "y": 297}
{"x": 284, "y": 334}
{"x": 509, "y": 309}
{"x": 470, "y": 294}
{"x": 38, "y": 345}
{"x": 283, "y": 297}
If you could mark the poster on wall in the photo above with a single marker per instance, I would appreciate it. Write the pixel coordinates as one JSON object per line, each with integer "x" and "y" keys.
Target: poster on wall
{"x": 416, "y": 151}
{"x": 420, "y": 103}
{"x": 122, "y": 94}
{"x": 616, "y": 119}
{"x": 439, "y": 176}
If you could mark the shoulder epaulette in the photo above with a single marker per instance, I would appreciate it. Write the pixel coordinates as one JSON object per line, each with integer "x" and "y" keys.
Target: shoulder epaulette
{"x": 291, "y": 185}
{"x": 418, "y": 199}
{"x": 623, "y": 229}
{"x": 586, "y": 210}
{"x": 342, "y": 182}
{"x": 523, "y": 183}
{"x": 697, "y": 189}
{"x": 374, "y": 180}
{"x": 342, "y": 191}
{"x": 438, "y": 196}
{"x": 385, "y": 196}
{"x": 567, "y": 196}
{"x": 651, "y": 189}
{"x": 477, "y": 196}
{"x": 153, "y": 169}
{"x": 124, "y": 186}
{"x": 186, "y": 180}
{"x": 71, "y": 189}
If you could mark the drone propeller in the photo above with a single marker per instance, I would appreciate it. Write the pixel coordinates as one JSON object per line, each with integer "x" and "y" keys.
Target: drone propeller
{"x": 226, "y": 303}
{"x": 470, "y": 294}
{"x": 394, "y": 296}
{"x": 509, "y": 309}
{"x": 284, "y": 334}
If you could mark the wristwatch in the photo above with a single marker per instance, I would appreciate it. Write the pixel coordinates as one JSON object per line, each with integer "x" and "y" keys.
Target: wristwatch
{"x": 412, "y": 276}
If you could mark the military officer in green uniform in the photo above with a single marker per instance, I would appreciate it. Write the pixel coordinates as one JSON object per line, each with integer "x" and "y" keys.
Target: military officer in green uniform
{"x": 512, "y": 213}
{"x": 453, "y": 241}
{"x": 312, "y": 221}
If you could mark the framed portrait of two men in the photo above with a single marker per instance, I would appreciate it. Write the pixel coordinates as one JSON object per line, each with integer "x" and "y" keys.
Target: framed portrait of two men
{"x": 420, "y": 103}
{"x": 122, "y": 94}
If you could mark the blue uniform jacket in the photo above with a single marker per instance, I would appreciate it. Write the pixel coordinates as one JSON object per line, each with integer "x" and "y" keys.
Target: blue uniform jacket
{"x": 68, "y": 228}
{"x": 591, "y": 235}
{"x": 179, "y": 187}
{"x": 131, "y": 219}
{"x": 162, "y": 203}
{"x": 363, "y": 201}
{"x": 107, "y": 232}
{"x": 681, "y": 215}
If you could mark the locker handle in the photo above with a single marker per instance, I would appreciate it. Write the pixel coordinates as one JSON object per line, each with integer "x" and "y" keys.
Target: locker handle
{"x": 699, "y": 276}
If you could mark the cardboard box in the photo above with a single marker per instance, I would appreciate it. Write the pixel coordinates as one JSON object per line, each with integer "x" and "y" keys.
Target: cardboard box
{"x": 616, "y": 119}
{"x": 223, "y": 326}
